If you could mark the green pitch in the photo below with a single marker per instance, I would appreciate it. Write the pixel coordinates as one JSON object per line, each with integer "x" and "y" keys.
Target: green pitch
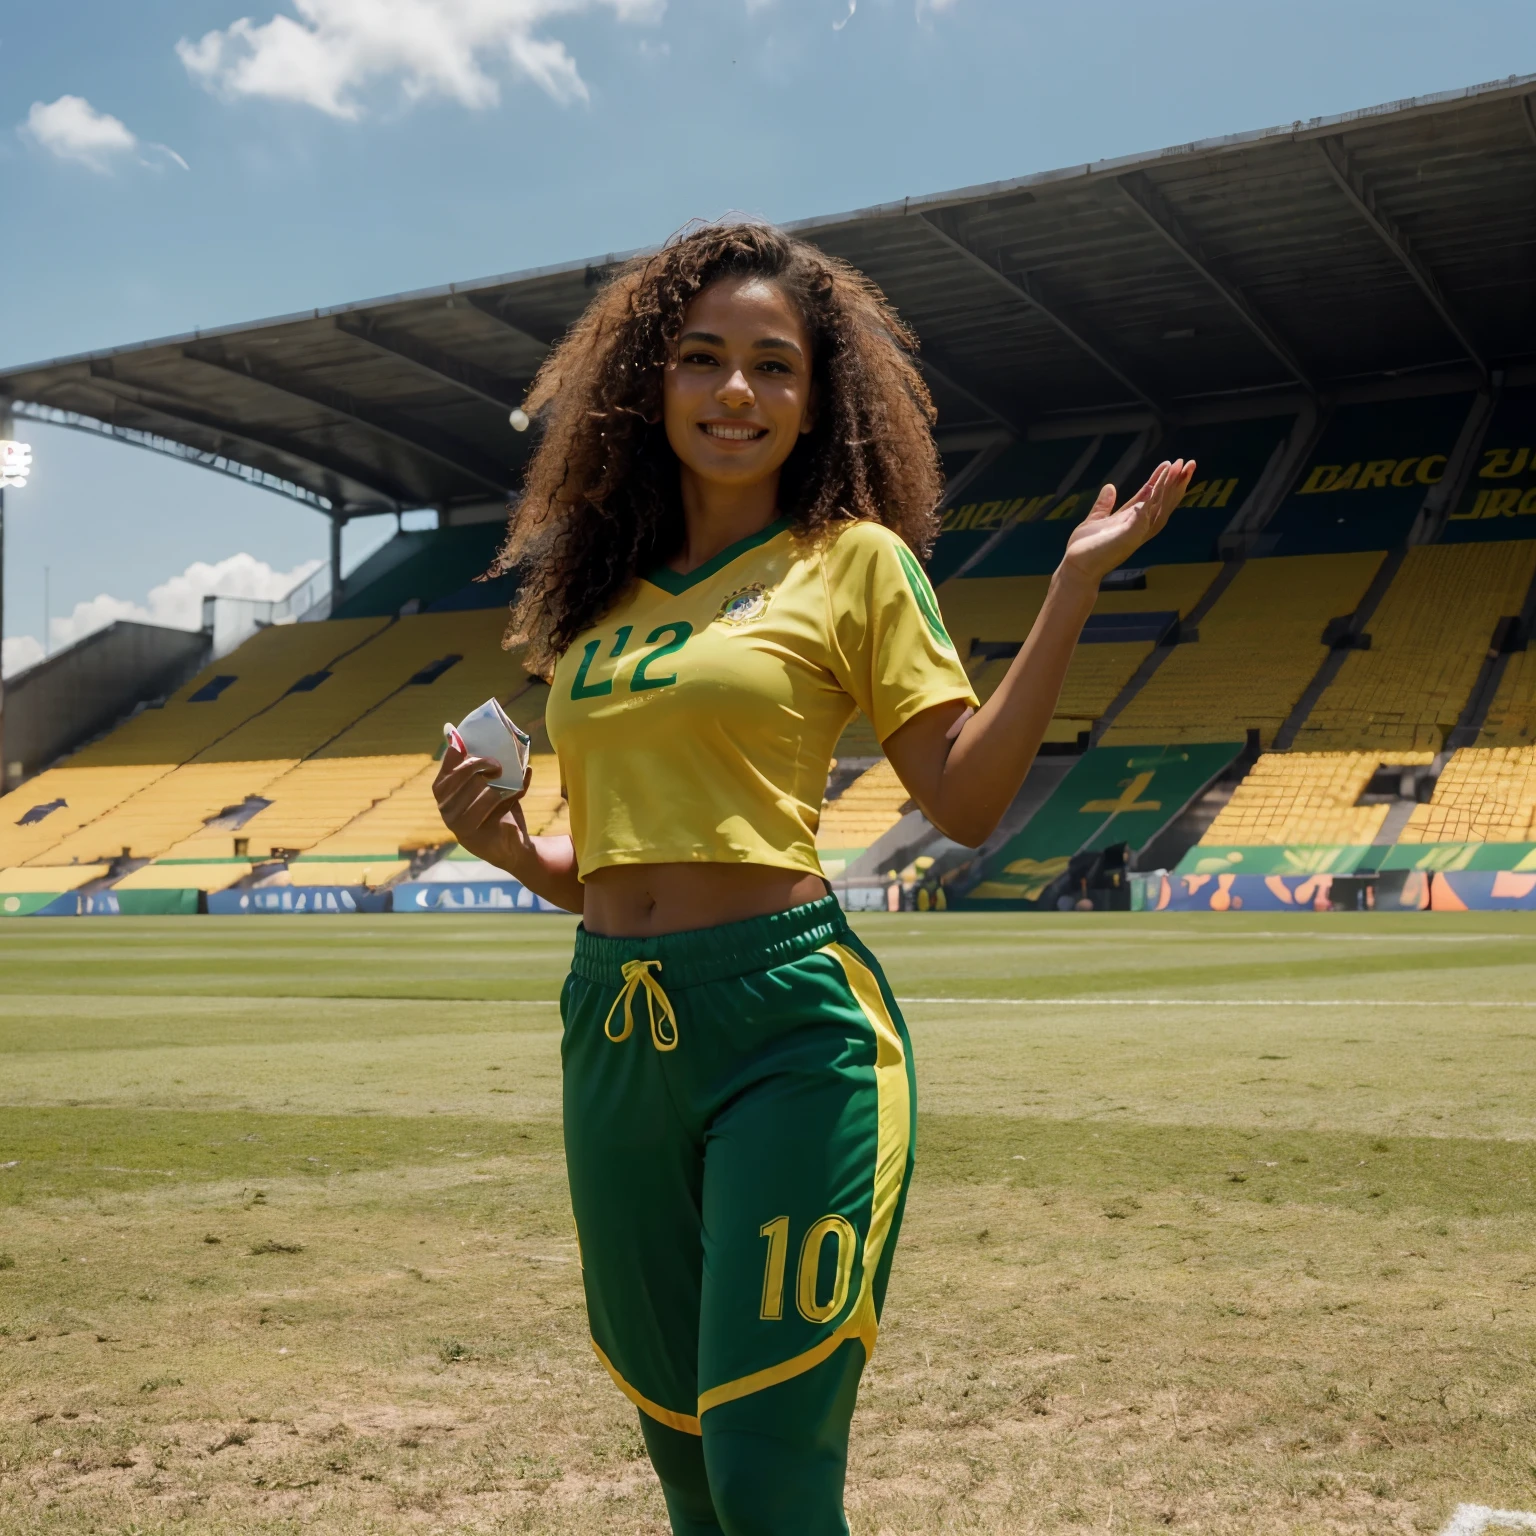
{"x": 1248, "y": 1247}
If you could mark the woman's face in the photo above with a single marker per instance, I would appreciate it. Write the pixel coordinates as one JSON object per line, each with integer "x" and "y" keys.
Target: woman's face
{"x": 737, "y": 394}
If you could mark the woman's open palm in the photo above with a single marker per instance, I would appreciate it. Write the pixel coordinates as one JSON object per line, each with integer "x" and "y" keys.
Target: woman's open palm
{"x": 1108, "y": 536}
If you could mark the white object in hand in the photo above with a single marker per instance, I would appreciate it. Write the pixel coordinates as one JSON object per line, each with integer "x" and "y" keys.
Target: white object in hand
{"x": 491, "y": 732}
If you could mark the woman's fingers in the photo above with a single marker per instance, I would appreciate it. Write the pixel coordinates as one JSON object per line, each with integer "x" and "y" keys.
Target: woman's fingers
{"x": 1145, "y": 494}
{"x": 460, "y": 788}
{"x": 465, "y": 771}
{"x": 1178, "y": 483}
{"x": 487, "y": 807}
{"x": 1171, "y": 493}
{"x": 1103, "y": 504}
{"x": 1145, "y": 502}
{"x": 478, "y": 814}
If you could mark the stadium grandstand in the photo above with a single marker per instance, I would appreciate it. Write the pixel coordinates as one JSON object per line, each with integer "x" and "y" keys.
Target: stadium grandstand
{"x": 1321, "y": 668}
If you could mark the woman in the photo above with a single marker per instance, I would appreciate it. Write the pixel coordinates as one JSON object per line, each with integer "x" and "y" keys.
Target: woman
{"x": 718, "y": 543}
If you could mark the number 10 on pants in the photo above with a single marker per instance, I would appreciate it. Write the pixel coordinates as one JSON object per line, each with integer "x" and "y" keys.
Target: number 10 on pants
{"x": 812, "y": 1309}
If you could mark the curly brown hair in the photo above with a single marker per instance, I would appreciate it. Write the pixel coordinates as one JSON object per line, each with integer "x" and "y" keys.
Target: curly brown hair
{"x": 601, "y": 500}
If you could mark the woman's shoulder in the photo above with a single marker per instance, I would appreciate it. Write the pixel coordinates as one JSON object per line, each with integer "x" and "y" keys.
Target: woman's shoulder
{"x": 854, "y": 541}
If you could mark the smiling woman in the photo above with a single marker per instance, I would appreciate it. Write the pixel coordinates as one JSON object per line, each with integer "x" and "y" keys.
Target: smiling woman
{"x": 837, "y": 404}
{"x": 719, "y": 544}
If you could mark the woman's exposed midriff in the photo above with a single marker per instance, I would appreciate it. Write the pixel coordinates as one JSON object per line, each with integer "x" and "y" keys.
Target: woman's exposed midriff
{"x": 634, "y": 901}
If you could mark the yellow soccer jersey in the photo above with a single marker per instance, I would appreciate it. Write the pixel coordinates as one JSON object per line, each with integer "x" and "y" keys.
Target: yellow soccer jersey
{"x": 696, "y": 721}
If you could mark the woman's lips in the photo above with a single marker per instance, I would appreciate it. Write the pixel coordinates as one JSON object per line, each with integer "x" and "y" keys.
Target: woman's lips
{"x": 732, "y": 432}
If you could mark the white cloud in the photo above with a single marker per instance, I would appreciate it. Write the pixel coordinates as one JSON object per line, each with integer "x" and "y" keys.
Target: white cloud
{"x": 178, "y": 603}
{"x": 18, "y": 653}
{"x": 73, "y": 129}
{"x": 934, "y": 7}
{"x": 853, "y": 5}
{"x": 337, "y": 48}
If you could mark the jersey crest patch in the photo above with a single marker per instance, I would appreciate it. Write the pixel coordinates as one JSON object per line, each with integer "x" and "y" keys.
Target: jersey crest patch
{"x": 744, "y": 606}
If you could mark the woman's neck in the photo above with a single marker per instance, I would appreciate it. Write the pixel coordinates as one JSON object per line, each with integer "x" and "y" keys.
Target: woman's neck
{"x": 717, "y": 516}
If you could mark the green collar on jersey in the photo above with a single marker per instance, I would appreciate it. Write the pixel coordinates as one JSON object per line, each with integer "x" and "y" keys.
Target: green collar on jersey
{"x": 670, "y": 581}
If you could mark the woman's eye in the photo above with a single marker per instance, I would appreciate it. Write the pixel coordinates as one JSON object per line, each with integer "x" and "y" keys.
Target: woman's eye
{"x": 698, "y": 357}
{"x": 773, "y": 365}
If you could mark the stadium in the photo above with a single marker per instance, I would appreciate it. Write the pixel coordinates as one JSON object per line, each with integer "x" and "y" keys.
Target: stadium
{"x": 1311, "y": 694}
{"x": 1319, "y": 673}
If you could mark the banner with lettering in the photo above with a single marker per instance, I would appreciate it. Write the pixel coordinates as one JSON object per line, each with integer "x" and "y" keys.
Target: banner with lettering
{"x": 1365, "y": 482}
{"x": 1499, "y": 501}
{"x": 469, "y": 896}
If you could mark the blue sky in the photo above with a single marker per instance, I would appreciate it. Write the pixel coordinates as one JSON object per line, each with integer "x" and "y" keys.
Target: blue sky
{"x": 168, "y": 165}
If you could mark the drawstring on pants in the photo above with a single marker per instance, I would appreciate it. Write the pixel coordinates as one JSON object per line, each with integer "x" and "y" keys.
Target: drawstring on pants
{"x": 637, "y": 975}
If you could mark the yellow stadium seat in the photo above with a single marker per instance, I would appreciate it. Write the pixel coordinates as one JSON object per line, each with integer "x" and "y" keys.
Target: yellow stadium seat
{"x": 1429, "y": 636}
{"x": 370, "y": 872}
{"x": 1259, "y": 647}
{"x": 261, "y": 671}
{"x": 1484, "y": 795}
{"x": 86, "y": 793}
{"x": 49, "y": 879}
{"x": 184, "y": 876}
{"x": 170, "y": 809}
{"x": 309, "y": 802}
{"x": 313, "y": 715}
{"x": 405, "y": 820}
{"x": 1511, "y": 718}
{"x": 1305, "y": 798}
{"x": 1003, "y": 608}
{"x": 329, "y": 722}
{"x": 867, "y": 809}
{"x": 410, "y": 717}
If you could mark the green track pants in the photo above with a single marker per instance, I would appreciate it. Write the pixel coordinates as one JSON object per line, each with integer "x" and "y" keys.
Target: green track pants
{"x": 739, "y": 1113}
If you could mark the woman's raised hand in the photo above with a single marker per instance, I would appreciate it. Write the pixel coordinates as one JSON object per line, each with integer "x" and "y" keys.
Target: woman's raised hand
{"x": 488, "y": 822}
{"x": 1108, "y": 537}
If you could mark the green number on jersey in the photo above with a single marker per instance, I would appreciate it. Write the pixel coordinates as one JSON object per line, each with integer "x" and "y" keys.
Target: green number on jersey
{"x": 581, "y": 689}
{"x": 642, "y": 678}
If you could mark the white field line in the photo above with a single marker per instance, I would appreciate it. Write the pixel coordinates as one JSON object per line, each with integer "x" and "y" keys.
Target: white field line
{"x": 1208, "y": 1002}
{"x": 1029, "y": 936}
{"x": 1129, "y": 1002}
{"x": 1474, "y": 1519}
{"x": 1088, "y": 1002}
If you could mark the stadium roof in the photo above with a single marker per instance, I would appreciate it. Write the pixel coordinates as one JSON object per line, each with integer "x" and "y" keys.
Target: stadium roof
{"x": 1312, "y": 257}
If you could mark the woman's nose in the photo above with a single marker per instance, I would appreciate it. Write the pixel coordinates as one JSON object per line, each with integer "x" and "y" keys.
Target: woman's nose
{"x": 735, "y": 390}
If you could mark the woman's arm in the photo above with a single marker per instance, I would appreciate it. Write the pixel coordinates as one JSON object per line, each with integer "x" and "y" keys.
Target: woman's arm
{"x": 490, "y": 824}
{"x": 964, "y": 773}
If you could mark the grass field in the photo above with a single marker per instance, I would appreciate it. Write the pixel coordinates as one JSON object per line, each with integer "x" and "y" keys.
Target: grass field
{"x": 284, "y": 1241}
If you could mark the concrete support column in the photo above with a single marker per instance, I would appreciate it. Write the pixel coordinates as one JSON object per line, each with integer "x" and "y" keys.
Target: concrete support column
{"x": 338, "y": 521}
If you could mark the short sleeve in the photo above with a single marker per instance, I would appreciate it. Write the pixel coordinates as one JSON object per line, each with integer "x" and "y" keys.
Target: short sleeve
{"x": 890, "y": 650}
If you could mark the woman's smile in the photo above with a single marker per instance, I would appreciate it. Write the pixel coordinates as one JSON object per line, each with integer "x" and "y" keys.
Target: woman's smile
{"x": 733, "y": 431}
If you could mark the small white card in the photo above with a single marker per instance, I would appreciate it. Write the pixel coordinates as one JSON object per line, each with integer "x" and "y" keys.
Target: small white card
{"x": 491, "y": 732}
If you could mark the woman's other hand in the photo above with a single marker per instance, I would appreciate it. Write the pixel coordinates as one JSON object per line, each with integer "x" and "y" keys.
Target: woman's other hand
{"x": 486, "y": 821}
{"x": 1108, "y": 537}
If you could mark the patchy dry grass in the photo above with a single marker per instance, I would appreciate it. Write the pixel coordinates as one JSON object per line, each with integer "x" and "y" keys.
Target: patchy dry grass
{"x": 289, "y": 1246}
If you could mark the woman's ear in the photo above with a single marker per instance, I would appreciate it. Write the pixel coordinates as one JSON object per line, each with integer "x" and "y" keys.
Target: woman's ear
{"x": 808, "y": 420}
